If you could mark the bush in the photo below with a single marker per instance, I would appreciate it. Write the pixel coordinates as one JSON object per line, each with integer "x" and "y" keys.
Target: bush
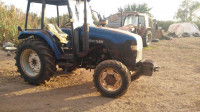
{"x": 11, "y": 18}
{"x": 165, "y": 24}
{"x": 198, "y": 24}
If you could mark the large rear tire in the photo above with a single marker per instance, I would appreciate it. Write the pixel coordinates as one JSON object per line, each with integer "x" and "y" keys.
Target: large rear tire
{"x": 112, "y": 78}
{"x": 35, "y": 61}
{"x": 147, "y": 38}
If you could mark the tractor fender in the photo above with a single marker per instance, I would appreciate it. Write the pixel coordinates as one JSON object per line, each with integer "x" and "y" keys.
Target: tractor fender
{"x": 145, "y": 31}
{"x": 43, "y": 35}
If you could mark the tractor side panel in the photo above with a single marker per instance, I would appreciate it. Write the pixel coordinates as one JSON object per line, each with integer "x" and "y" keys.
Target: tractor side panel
{"x": 117, "y": 43}
{"x": 45, "y": 36}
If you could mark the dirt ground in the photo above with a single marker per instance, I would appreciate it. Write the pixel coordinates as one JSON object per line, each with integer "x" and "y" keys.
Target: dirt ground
{"x": 176, "y": 88}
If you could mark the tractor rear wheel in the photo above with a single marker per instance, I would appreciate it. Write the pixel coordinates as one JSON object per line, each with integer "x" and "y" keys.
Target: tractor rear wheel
{"x": 35, "y": 61}
{"x": 147, "y": 38}
{"x": 112, "y": 78}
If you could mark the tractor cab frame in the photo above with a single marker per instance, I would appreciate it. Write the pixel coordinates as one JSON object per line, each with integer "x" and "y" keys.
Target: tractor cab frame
{"x": 72, "y": 34}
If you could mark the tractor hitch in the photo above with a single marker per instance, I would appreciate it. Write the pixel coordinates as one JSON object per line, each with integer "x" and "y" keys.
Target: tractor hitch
{"x": 148, "y": 67}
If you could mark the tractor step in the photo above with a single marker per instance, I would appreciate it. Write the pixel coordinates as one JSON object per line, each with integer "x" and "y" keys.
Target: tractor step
{"x": 68, "y": 56}
{"x": 66, "y": 64}
{"x": 67, "y": 49}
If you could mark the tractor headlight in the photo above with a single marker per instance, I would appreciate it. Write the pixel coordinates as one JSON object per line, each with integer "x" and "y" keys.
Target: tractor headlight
{"x": 134, "y": 47}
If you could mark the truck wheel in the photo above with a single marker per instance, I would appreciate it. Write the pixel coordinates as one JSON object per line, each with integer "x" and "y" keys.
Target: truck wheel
{"x": 196, "y": 34}
{"x": 35, "y": 61}
{"x": 185, "y": 34}
{"x": 112, "y": 78}
{"x": 147, "y": 38}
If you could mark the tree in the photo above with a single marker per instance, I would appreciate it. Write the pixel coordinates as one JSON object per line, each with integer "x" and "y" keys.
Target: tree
{"x": 10, "y": 19}
{"x": 142, "y": 8}
{"x": 64, "y": 20}
{"x": 186, "y": 11}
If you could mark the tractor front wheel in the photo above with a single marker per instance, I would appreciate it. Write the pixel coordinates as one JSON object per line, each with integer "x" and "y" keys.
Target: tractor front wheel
{"x": 112, "y": 78}
{"x": 35, "y": 61}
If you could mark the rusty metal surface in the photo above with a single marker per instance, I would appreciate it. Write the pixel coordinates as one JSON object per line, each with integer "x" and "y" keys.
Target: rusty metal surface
{"x": 129, "y": 28}
{"x": 159, "y": 34}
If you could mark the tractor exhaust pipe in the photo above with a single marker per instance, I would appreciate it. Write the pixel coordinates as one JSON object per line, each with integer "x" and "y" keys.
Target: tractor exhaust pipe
{"x": 85, "y": 30}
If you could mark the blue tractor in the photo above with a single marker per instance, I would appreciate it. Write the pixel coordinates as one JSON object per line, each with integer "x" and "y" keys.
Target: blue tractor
{"x": 115, "y": 55}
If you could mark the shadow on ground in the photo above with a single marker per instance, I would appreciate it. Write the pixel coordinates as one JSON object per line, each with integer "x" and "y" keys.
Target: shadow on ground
{"x": 80, "y": 97}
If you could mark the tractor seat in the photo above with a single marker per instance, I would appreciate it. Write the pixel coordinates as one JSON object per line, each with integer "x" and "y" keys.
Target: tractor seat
{"x": 58, "y": 33}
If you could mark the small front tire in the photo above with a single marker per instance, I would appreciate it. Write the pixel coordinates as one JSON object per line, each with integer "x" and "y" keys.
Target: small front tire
{"x": 112, "y": 78}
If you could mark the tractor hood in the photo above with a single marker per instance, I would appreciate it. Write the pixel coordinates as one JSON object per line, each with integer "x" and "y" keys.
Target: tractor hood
{"x": 115, "y": 35}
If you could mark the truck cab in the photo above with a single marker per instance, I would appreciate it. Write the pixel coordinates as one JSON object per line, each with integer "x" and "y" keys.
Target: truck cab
{"x": 134, "y": 22}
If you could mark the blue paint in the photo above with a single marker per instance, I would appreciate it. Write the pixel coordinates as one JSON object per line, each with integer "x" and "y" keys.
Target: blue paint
{"x": 97, "y": 33}
{"x": 116, "y": 37}
{"x": 25, "y": 34}
{"x": 67, "y": 31}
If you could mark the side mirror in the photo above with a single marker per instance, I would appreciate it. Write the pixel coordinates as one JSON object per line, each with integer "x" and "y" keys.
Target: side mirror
{"x": 98, "y": 15}
{"x": 19, "y": 28}
{"x": 103, "y": 22}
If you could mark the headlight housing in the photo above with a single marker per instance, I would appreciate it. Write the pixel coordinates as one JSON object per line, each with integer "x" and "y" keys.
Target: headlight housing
{"x": 134, "y": 47}
{"x": 133, "y": 29}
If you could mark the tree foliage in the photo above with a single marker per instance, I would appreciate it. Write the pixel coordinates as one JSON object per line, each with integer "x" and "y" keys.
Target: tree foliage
{"x": 64, "y": 20}
{"x": 165, "y": 24}
{"x": 10, "y": 19}
{"x": 186, "y": 11}
{"x": 142, "y": 8}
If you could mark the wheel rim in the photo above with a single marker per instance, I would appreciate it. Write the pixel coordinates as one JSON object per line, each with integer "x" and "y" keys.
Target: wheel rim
{"x": 30, "y": 62}
{"x": 110, "y": 80}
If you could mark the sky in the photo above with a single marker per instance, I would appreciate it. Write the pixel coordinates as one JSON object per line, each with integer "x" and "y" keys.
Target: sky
{"x": 161, "y": 9}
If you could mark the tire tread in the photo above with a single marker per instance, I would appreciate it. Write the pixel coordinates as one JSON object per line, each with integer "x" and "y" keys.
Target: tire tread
{"x": 49, "y": 60}
{"x": 121, "y": 67}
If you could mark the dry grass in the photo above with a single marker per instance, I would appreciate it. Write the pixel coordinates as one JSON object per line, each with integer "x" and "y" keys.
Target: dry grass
{"x": 175, "y": 88}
